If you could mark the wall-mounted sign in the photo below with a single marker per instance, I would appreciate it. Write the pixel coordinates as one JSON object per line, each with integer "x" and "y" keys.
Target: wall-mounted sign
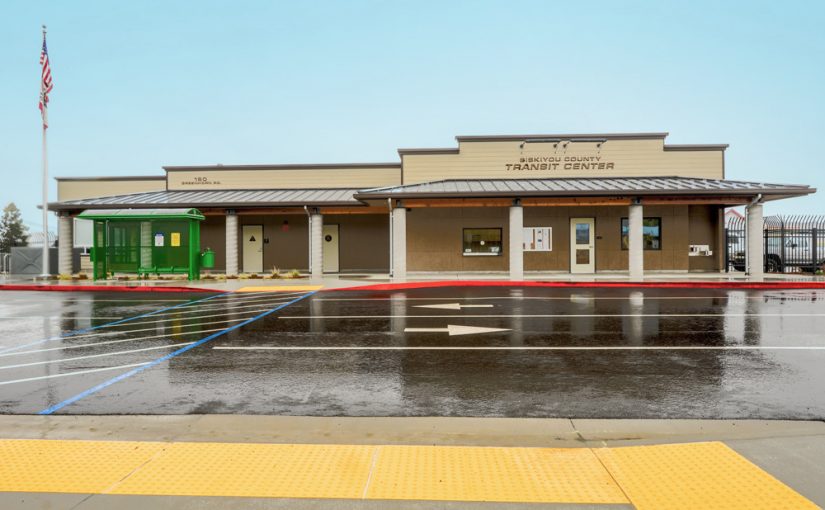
{"x": 175, "y": 239}
{"x": 200, "y": 181}
{"x": 545, "y": 163}
{"x": 158, "y": 239}
{"x": 538, "y": 239}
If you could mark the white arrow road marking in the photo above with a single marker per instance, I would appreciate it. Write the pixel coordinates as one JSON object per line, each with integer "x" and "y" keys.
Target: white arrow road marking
{"x": 454, "y": 330}
{"x": 453, "y": 306}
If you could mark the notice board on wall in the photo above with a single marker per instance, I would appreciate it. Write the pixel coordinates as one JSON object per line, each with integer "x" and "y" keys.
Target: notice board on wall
{"x": 538, "y": 239}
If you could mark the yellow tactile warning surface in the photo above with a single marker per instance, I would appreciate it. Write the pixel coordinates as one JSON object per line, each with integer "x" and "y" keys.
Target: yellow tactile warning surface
{"x": 255, "y": 470}
{"x": 281, "y": 288}
{"x": 697, "y": 475}
{"x": 70, "y": 466}
{"x": 532, "y": 475}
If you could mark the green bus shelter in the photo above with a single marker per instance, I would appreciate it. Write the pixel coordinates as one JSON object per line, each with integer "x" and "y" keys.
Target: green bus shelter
{"x": 145, "y": 241}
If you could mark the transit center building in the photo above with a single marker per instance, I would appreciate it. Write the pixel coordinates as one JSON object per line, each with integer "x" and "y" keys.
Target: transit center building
{"x": 512, "y": 205}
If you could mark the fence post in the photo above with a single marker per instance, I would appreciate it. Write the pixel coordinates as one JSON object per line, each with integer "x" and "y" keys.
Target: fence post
{"x": 782, "y": 254}
{"x": 814, "y": 246}
{"x": 727, "y": 250}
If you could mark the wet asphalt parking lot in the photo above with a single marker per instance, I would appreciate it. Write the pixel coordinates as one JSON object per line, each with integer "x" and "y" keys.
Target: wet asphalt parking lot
{"x": 453, "y": 351}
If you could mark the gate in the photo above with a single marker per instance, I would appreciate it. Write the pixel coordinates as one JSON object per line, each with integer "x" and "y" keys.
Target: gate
{"x": 792, "y": 244}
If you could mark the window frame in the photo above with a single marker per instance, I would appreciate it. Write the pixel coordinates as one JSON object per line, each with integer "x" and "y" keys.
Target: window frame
{"x": 644, "y": 248}
{"x": 480, "y": 254}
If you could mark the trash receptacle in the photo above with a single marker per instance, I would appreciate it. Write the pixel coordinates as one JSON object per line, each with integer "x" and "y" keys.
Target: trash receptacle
{"x": 208, "y": 259}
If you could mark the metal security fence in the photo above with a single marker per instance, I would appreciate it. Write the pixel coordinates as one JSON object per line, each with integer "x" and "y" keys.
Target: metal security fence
{"x": 793, "y": 244}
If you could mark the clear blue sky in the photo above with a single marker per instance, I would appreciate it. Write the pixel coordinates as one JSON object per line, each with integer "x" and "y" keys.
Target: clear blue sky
{"x": 143, "y": 84}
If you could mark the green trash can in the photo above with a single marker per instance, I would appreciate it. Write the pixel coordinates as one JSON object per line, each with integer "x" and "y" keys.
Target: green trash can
{"x": 208, "y": 259}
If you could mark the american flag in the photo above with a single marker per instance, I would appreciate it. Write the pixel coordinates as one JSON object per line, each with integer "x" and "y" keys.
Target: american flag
{"x": 45, "y": 83}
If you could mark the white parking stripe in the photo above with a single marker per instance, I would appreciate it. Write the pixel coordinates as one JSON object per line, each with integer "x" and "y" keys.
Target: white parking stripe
{"x": 227, "y": 308}
{"x": 70, "y": 301}
{"x": 105, "y": 354}
{"x": 76, "y": 372}
{"x": 128, "y": 331}
{"x": 560, "y": 316}
{"x": 109, "y": 342}
{"x": 564, "y": 298}
{"x": 524, "y": 348}
{"x": 58, "y": 317}
{"x": 180, "y": 319}
{"x": 248, "y": 296}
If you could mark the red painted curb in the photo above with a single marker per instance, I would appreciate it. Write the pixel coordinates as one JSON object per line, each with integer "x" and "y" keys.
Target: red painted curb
{"x": 101, "y": 288}
{"x": 618, "y": 285}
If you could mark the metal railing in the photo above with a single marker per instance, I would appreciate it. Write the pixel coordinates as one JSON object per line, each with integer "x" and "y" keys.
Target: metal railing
{"x": 5, "y": 263}
{"x": 792, "y": 244}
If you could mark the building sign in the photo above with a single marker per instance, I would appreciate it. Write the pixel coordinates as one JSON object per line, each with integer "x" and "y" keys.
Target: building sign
{"x": 200, "y": 181}
{"x": 545, "y": 163}
{"x": 538, "y": 239}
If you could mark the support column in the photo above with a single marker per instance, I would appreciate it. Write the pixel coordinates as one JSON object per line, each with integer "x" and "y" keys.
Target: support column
{"x": 755, "y": 239}
{"x": 66, "y": 242}
{"x": 231, "y": 243}
{"x": 399, "y": 241}
{"x": 145, "y": 244}
{"x": 316, "y": 233}
{"x": 635, "y": 237}
{"x": 516, "y": 241}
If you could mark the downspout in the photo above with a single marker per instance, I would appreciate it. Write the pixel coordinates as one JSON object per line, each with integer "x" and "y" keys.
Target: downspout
{"x": 389, "y": 208}
{"x": 309, "y": 239}
{"x": 756, "y": 200}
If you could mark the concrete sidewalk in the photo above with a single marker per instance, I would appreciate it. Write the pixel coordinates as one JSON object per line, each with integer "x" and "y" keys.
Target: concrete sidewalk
{"x": 789, "y": 451}
{"x": 345, "y": 280}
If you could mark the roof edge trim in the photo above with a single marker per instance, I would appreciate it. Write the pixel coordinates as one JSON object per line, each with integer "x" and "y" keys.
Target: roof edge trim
{"x": 571, "y": 137}
{"x": 115, "y": 178}
{"x": 696, "y": 147}
{"x": 299, "y": 166}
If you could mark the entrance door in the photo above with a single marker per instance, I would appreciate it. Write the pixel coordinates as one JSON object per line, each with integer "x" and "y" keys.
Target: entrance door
{"x": 253, "y": 248}
{"x": 582, "y": 246}
{"x": 330, "y": 248}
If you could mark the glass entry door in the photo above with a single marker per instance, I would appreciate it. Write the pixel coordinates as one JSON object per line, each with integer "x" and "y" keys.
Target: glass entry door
{"x": 582, "y": 245}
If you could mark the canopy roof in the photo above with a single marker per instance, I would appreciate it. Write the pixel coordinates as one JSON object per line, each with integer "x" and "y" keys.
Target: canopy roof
{"x": 218, "y": 198}
{"x": 141, "y": 214}
{"x": 585, "y": 186}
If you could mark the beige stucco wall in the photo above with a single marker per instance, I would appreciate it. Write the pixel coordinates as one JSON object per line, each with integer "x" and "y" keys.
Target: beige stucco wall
{"x": 81, "y": 189}
{"x": 284, "y": 178}
{"x": 434, "y": 238}
{"x": 616, "y": 158}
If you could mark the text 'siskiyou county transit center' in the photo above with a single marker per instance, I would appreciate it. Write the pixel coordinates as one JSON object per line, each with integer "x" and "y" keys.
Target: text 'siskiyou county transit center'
{"x": 512, "y": 204}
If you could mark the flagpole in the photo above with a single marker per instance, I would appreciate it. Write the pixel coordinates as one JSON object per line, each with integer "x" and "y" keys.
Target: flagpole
{"x": 46, "y": 272}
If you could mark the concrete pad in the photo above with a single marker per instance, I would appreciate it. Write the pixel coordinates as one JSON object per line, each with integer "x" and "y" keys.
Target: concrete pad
{"x": 796, "y": 461}
{"x": 633, "y": 432}
{"x": 296, "y": 429}
{"x": 106, "y": 502}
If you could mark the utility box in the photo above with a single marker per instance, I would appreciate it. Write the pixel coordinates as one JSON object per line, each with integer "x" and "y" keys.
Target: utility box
{"x": 145, "y": 241}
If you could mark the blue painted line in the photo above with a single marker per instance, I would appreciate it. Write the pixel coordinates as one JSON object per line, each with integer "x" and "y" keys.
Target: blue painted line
{"x": 120, "y": 321}
{"x": 137, "y": 370}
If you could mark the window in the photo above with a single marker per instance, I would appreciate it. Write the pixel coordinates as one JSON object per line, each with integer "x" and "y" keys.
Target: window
{"x": 482, "y": 241}
{"x": 651, "y": 233}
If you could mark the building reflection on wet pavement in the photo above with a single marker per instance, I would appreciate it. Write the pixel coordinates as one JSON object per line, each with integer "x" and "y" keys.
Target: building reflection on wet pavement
{"x": 595, "y": 353}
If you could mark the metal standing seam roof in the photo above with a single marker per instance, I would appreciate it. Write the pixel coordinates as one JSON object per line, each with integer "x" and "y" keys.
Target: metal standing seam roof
{"x": 583, "y": 186}
{"x": 216, "y": 198}
{"x": 129, "y": 214}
